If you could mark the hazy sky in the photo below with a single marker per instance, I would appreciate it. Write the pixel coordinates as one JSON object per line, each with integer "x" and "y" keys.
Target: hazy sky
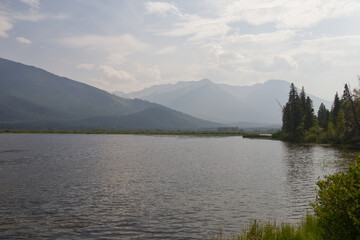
{"x": 120, "y": 45}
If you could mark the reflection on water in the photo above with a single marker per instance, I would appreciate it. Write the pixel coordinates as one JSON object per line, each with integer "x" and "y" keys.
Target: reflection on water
{"x": 305, "y": 165}
{"x": 300, "y": 175}
{"x": 148, "y": 187}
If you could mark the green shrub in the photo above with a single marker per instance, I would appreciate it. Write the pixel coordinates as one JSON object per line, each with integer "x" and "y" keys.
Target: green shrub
{"x": 311, "y": 138}
{"x": 276, "y": 135}
{"x": 337, "y": 205}
{"x": 323, "y": 138}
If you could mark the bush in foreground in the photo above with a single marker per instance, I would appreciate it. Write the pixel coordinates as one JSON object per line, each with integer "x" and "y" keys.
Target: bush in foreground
{"x": 337, "y": 204}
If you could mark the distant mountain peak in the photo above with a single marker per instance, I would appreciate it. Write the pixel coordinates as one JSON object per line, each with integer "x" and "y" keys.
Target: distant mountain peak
{"x": 223, "y": 103}
{"x": 271, "y": 81}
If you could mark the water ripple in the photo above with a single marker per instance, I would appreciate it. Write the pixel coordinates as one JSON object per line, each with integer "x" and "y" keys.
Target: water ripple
{"x": 143, "y": 187}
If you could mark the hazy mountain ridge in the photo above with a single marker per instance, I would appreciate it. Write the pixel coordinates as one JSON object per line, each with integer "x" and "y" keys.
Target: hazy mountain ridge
{"x": 34, "y": 98}
{"x": 224, "y": 103}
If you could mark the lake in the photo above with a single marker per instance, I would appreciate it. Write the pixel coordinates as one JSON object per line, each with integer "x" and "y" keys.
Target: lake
{"x": 153, "y": 187}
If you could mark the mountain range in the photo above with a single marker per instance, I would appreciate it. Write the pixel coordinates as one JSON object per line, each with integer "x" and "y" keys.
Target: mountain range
{"x": 256, "y": 105}
{"x": 32, "y": 98}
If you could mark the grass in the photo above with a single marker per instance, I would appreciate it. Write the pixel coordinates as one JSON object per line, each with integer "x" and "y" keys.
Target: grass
{"x": 308, "y": 229}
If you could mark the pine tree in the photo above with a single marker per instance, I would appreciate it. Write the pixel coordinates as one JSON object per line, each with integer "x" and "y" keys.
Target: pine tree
{"x": 346, "y": 94}
{"x": 322, "y": 116}
{"x": 308, "y": 111}
{"x": 327, "y": 119}
{"x": 331, "y": 132}
{"x": 351, "y": 119}
{"x": 302, "y": 97}
{"x": 335, "y": 108}
{"x": 292, "y": 116}
{"x": 340, "y": 126}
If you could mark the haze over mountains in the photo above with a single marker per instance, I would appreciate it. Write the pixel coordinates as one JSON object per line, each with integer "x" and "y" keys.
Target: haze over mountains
{"x": 32, "y": 98}
{"x": 234, "y": 105}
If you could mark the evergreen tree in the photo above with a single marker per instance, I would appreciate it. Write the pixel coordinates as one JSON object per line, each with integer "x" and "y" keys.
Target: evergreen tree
{"x": 346, "y": 94}
{"x": 331, "y": 132}
{"x": 327, "y": 119}
{"x": 335, "y": 108}
{"x": 356, "y": 107}
{"x": 308, "y": 112}
{"x": 302, "y": 97}
{"x": 340, "y": 126}
{"x": 323, "y": 116}
{"x": 356, "y": 92}
{"x": 351, "y": 119}
{"x": 292, "y": 116}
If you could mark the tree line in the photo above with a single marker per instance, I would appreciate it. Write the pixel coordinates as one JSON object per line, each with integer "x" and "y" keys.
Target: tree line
{"x": 339, "y": 125}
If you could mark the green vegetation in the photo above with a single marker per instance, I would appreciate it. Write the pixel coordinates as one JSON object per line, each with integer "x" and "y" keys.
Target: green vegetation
{"x": 337, "y": 205}
{"x": 336, "y": 214}
{"x": 308, "y": 230}
{"x": 340, "y": 125}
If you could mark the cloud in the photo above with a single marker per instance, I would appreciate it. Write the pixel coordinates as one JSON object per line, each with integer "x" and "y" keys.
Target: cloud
{"x": 116, "y": 48}
{"x": 284, "y": 62}
{"x": 230, "y": 49}
{"x": 276, "y": 63}
{"x": 36, "y": 16}
{"x": 161, "y": 8}
{"x": 33, "y": 14}
{"x": 284, "y": 14}
{"x": 287, "y": 14}
{"x": 313, "y": 63}
{"x": 339, "y": 50}
{"x": 5, "y": 24}
{"x": 186, "y": 24}
{"x": 125, "y": 43}
{"x": 333, "y": 44}
{"x": 117, "y": 74}
{"x": 150, "y": 74}
{"x": 166, "y": 50}
{"x": 34, "y": 4}
{"x": 254, "y": 39}
{"x": 264, "y": 39}
{"x": 165, "y": 40}
{"x": 9, "y": 17}
{"x": 85, "y": 66}
{"x": 23, "y": 40}
{"x": 199, "y": 29}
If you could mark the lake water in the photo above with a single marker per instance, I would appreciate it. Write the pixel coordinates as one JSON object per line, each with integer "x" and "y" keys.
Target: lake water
{"x": 153, "y": 187}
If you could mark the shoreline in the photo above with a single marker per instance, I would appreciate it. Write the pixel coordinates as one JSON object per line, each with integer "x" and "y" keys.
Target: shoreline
{"x": 126, "y": 132}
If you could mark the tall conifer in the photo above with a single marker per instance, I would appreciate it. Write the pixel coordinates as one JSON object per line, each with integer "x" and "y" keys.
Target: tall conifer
{"x": 309, "y": 117}
{"x": 292, "y": 115}
{"x": 335, "y": 108}
{"x": 323, "y": 116}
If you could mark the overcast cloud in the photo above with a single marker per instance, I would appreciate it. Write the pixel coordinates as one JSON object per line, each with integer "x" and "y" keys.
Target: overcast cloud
{"x": 120, "y": 45}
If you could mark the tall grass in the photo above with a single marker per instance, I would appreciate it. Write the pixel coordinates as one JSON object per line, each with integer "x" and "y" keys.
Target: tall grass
{"x": 308, "y": 229}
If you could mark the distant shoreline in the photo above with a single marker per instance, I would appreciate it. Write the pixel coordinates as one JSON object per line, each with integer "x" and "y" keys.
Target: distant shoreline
{"x": 127, "y": 132}
{"x": 210, "y": 133}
